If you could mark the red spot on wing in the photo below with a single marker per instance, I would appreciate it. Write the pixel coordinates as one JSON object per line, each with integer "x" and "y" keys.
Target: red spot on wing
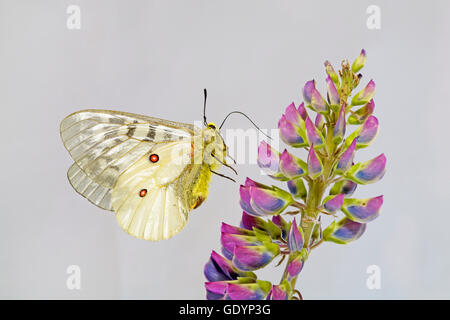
{"x": 143, "y": 193}
{"x": 154, "y": 158}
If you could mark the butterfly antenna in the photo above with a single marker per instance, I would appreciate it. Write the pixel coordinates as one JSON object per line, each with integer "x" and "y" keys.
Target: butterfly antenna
{"x": 225, "y": 164}
{"x": 222, "y": 175}
{"x": 231, "y": 158}
{"x": 205, "y": 94}
{"x": 248, "y": 118}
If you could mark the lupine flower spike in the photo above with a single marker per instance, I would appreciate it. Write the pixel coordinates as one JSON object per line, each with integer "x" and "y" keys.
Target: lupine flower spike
{"x": 279, "y": 225}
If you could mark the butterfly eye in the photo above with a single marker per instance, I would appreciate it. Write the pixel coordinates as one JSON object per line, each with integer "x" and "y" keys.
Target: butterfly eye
{"x": 154, "y": 158}
{"x": 143, "y": 193}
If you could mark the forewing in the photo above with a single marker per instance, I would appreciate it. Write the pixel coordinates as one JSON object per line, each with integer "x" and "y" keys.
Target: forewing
{"x": 95, "y": 193}
{"x": 106, "y": 143}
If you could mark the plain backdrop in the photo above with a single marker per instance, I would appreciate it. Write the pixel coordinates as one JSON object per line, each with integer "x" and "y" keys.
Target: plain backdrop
{"x": 155, "y": 58}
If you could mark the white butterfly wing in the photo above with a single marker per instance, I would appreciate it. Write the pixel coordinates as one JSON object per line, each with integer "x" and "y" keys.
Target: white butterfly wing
{"x": 111, "y": 152}
{"x": 88, "y": 188}
{"x": 162, "y": 211}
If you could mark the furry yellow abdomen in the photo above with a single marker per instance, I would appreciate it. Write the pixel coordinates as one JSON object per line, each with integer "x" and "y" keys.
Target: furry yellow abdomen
{"x": 200, "y": 187}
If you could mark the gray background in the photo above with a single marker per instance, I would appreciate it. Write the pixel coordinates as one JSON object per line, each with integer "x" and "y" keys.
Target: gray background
{"x": 154, "y": 58}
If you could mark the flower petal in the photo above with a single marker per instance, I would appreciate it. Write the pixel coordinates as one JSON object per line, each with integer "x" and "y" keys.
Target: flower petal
{"x": 291, "y": 166}
{"x": 230, "y": 241}
{"x": 360, "y": 115}
{"x": 291, "y": 134}
{"x": 283, "y": 225}
{"x": 318, "y": 122}
{"x": 362, "y": 210}
{"x": 278, "y": 292}
{"x": 295, "y": 265}
{"x": 331, "y": 73}
{"x": 366, "y": 133}
{"x": 368, "y": 172}
{"x": 220, "y": 269}
{"x": 249, "y": 258}
{"x": 297, "y": 188}
{"x": 302, "y": 110}
{"x": 269, "y": 202}
{"x": 334, "y": 203}
{"x": 359, "y": 62}
{"x": 269, "y": 160}
{"x": 346, "y": 160}
{"x": 318, "y": 103}
{"x": 245, "y": 200}
{"x": 248, "y": 291}
{"x": 314, "y": 136}
{"x": 249, "y": 222}
{"x": 292, "y": 114}
{"x": 216, "y": 290}
{"x": 339, "y": 128}
{"x": 295, "y": 237}
{"x": 344, "y": 231}
{"x": 346, "y": 187}
{"x": 315, "y": 167}
{"x": 332, "y": 93}
{"x": 365, "y": 95}
{"x": 226, "y": 228}
{"x": 308, "y": 90}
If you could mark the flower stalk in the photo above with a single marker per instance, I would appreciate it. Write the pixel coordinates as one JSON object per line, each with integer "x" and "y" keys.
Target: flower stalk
{"x": 323, "y": 184}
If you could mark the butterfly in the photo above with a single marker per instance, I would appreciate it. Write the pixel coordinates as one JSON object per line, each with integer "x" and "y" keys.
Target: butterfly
{"x": 149, "y": 171}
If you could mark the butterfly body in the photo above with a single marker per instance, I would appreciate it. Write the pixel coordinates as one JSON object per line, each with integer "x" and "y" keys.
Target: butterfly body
{"x": 151, "y": 172}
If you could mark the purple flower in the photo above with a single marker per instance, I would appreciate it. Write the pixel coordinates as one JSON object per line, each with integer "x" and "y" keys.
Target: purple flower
{"x": 360, "y": 115}
{"x": 279, "y": 292}
{"x": 220, "y": 272}
{"x": 365, "y": 95}
{"x": 359, "y": 62}
{"x": 301, "y": 109}
{"x": 292, "y": 126}
{"x": 334, "y": 203}
{"x": 251, "y": 257}
{"x": 332, "y": 93}
{"x": 269, "y": 160}
{"x": 261, "y": 200}
{"x": 295, "y": 265}
{"x": 292, "y": 114}
{"x": 365, "y": 134}
{"x": 308, "y": 91}
{"x": 346, "y": 187}
{"x": 313, "y": 97}
{"x": 249, "y": 222}
{"x": 346, "y": 160}
{"x": 291, "y": 166}
{"x": 297, "y": 188}
{"x": 339, "y": 127}
{"x": 295, "y": 237}
{"x": 331, "y": 73}
{"x": 344, "y": 231}
{"x": 241, "y": 289}
{"x": 220, "y": 269}
{"x": 318, "y": 122}
{"x": 368, "y": 172}
{"x": 314, "y": 136}
{"x": 362, "y": 210}
{"x": 368, "y": 132}
{"x": 290, "y": 133}
{"x": 315, "y": 167}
